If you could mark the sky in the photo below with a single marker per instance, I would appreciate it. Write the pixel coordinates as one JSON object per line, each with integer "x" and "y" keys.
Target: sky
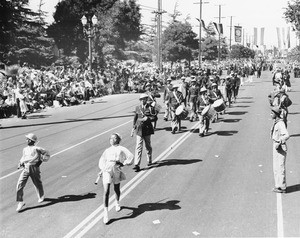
{"x": 266, "y": 14}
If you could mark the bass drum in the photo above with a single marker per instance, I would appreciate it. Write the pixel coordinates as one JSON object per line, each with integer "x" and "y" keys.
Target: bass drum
{"x": 208, "y": 112}
{"x": 181, "y": 112}
{"x": 219, "y": 105}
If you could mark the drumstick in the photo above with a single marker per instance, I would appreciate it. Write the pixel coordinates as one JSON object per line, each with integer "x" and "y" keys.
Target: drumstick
{"x": 98, "y": 177}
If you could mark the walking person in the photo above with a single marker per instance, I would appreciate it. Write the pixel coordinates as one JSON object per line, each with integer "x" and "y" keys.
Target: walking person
{"x": 110, "y": 164}
{"x": 202, "y": 102}
{"x": 192, "y": 98}
{"x": 279, "y": 135}
{"x": 175, "y": 100}
{"x": 30, "y": 162}
{"x": 142, "y": 125}
{"x": 167, "y": 90}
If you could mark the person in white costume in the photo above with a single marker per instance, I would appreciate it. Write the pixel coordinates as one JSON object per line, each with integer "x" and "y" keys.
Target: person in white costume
{"x": 110, "y": 163}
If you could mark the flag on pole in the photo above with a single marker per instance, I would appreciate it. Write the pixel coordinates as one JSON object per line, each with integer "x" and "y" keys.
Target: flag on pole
{"x": 283, "y": 38}
{"x": 219, "y": 27}
{"x": 262, "y": 35}
{"x": 288, "y": 37}
{"x": 278, "y": 37}
{"x": 255, "y": 36}
{"x": 238, "y": 34}
{"x": 202, "y": 23}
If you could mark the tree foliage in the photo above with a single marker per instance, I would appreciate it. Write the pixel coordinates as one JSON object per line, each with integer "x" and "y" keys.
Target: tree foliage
{"x": 118, "y": 22}
{"x": 292, "y": 14}
{"x": 240, "y": 51}
{"x": 178, "y": 41}
{"x": 22, "y": 34}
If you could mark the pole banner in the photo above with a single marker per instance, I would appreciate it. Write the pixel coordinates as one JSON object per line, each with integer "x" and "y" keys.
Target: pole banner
{"x": 262, "y": 36}
{"x": 238, "y": 34}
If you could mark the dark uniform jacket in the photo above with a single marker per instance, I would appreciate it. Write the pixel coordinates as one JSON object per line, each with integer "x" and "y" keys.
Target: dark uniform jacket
{"x": 144, "y": 128}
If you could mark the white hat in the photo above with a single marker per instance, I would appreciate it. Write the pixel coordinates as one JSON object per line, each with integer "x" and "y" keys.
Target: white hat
{"x": 175, "y": 86}
{"x": 143, "y": 95}
{"x": 31, "y": 137}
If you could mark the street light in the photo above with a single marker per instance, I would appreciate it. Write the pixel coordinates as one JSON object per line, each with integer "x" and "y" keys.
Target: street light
{"x": 90, "y": 29}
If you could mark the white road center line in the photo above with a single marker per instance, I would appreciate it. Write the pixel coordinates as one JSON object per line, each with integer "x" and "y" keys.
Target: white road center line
{"x": 71, "y": 147}
{"x": 280, "y": 232}
{"x": 90, "y": 221}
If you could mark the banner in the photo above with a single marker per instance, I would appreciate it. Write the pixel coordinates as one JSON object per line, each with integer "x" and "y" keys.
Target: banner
{"x": 219, "y": 27}
{"x": 255, "y": 36}
{"x": 288, "y": 37}
{"x": 283, "y": 38}
{"x": 278, "y": 37}
{"x": 262, "y": 35}
{"x": 202, "y": 23}
{"x": 238, "y": 34}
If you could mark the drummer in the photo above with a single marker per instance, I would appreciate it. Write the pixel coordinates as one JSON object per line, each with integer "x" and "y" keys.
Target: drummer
{"x": 175, "y": 99}
{"x": 214, "y": 95}
{"x": 152, "y": 94}
{"x": 202, "y": 102}
{"x": 192, "y": 98}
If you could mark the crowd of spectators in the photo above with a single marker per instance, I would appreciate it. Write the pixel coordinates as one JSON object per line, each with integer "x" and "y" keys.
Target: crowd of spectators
{"x": 24, "y": 89}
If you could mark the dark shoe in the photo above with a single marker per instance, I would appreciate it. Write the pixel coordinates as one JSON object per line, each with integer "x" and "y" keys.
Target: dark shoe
{"x": 201, "y": 134}
{"x": 149, "y": 163}
{"x": 279, "y": 190}
{"x": 173, "y": 131}
{"x": 166, "y": 119}
{"x": 136, "y": 168}
{"x": 191, "y": 120}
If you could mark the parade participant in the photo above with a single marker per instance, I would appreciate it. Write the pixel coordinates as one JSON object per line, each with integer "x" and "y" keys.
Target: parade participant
{"x": 110, "y": 164}
{"x": 192, "y": 98}
{"x": 229, "y": 85}
{"x": 183, "y": 88}
{"x": 175, "y": 100}
{"x": 214, "y": 95}
{"x": 142, "y": 125}
{"x": 202, "y": 102}
{"x": 236, "y": 86}
{"x": 152, "y": 94}
{"x": 30, "y": 162}
{"x": 279, "y": 135}
{"x": 279, "y": 98}
{"x": 167, "y": 90}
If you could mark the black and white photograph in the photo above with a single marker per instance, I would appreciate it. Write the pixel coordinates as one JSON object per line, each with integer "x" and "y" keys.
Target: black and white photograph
{"x": 149, "y": 118}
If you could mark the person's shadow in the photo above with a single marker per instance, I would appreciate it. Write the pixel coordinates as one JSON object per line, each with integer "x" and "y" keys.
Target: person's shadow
{"x": 66, "y": 198}
{"x": 293, "y": 188}
{"x": 148, "y": 207}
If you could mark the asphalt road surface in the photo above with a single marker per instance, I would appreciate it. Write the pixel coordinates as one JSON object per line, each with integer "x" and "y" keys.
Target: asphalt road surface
{"x": 216, "y": 186}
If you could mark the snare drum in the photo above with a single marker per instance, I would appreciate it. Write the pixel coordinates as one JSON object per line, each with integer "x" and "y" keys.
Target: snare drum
{"x": 208, "y": 112}
{"x": 219, "y": 105}
{"x": 181, "y": 112}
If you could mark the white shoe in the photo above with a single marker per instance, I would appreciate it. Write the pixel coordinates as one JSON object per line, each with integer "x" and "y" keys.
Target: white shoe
{"x": 41, "y": 199}
{"x": 20, "y": 206}
{"x": 118, "y": 207}
{"x": 105, "y": 217}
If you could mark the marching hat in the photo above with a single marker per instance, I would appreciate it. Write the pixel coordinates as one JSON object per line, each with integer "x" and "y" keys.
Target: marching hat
{"x": 31, "y": 137}
{"x": 214, "y": 84}
{"x": 183, "y": 78}
{"x": 143, "y": 95}
{"x": 193, "y": 80}
{"x": 276, "y": 110}
{"x": 175, "y": 86}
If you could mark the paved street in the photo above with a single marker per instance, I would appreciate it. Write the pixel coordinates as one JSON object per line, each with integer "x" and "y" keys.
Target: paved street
{"x": 216, "y": 186}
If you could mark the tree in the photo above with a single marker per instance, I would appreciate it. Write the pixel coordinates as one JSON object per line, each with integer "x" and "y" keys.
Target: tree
{"x": 240, "y": 51}
{"x": 178, "y": 41}
{"x": 22, "y": 34}
{"x": 292, "y": 14}
{"x": 118, "y": 22}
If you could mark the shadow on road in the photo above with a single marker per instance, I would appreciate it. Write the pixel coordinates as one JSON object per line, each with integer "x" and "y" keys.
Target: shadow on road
{"x": 293, "y": 188}
{"x": 65, "y": 121}
{"x": 65, "y": 198}
{"x": 169, "y": 162}
{"x": 224, "y": 133}
{"x": 148, "y": 207}
{"x": 295, "y": 135}
{"x": 231, "y": 120}
{"x": 237, "y": 113}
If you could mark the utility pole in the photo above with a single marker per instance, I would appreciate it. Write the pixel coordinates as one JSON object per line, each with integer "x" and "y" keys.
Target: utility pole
{"x": 159, "y": 13}
{"x": 230, "y": 36}
{"x": 200, "y": 32}
{"x": 219, "y": 47}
